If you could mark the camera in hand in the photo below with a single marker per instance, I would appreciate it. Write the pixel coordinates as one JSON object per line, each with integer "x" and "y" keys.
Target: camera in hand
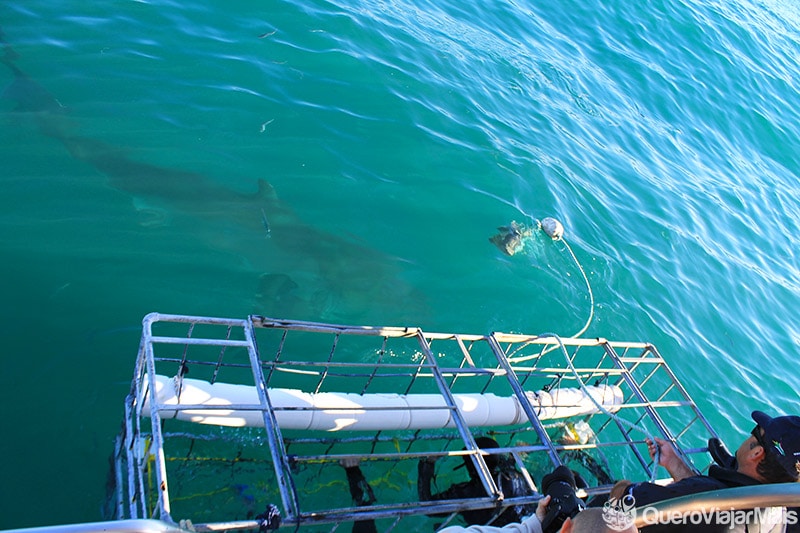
{"x": 564, "y": 503}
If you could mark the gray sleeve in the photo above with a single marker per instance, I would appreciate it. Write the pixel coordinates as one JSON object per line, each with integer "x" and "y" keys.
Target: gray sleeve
{"x": 530, "y": 524}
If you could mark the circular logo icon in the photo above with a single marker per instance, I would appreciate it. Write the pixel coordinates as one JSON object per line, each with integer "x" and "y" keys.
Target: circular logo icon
{"x": 619, "y": 514}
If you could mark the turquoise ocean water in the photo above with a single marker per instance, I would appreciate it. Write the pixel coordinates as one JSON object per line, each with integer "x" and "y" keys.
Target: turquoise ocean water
{"x": 142, "y": 141}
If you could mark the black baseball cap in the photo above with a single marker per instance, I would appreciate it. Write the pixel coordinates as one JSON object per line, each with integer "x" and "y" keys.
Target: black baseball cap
{"x": 782, "y": 436}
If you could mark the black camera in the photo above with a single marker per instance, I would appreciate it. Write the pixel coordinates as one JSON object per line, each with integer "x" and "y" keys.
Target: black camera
{"x": 564, "y": 503}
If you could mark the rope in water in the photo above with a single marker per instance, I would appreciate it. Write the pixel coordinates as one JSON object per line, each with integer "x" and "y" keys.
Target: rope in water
{"x": 555, "y": 231}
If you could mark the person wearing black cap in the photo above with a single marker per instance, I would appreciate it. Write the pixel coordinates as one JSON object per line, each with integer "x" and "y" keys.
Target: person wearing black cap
{"x": 771, "y": 454}
{"x": 505, "y": 474}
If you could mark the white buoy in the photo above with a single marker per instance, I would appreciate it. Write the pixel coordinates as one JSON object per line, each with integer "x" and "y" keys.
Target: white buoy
{"x": 552, "y": 228}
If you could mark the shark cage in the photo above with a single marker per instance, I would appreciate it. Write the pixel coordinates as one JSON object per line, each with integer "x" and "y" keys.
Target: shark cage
{"x": 228, "y": 416}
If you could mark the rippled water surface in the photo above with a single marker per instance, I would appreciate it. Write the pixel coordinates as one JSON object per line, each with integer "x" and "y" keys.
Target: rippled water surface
{"x": 148, "y": 147}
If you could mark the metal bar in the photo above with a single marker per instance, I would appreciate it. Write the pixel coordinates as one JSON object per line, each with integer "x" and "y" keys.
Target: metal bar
{"x": 417, "y": 373}
{"x": 276, "y": 447}
{"x": 197, "y": 341}
{"x": 318, "y": 327}
{"x": 523, "y": 400}
{"x": 152, "y": 318}
{"x": 589, "y": 371}
{"x": 571, "y": 341}
{"x": 658, "y": 404}
{"x": 118, "y": 477}
{"x": 140, "y": 494}
{"x": 480, "y": 465}
{"x": 134, "y": 430}
{"x": 276, "y": 360}
{"x": 326, "y": 366}
{"x": 685, "y": 394}
{"x": 158, "y": 441}
{"x": 378, "y": 364}
{"x": 345, "y": 364}
{"x": 117, "y": 526}
{"x": 182, "y": 366}
{"x": 130, "y": 462}
{"x": 465, "y": 351}
{"x": 331, "y": 458}
{"x": 647, "y": 406}
{"x": 197, "y": 362}
{"x": 221, "y": 355}
{"x": 170, "y": 408}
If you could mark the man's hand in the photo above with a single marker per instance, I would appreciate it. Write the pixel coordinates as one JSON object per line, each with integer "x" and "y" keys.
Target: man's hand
{"x": 669, "y": 459}
{"x": 619, "y": 490}
{"x": 541, "y": 508}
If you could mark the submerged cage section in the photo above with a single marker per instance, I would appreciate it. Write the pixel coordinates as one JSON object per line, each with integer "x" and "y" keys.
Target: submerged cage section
{"x": 226, "y": 417}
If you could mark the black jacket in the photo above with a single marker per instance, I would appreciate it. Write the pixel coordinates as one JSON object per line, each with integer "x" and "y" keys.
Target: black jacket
{"x": 507, "y": 478}
{"x": 717, "y": 478}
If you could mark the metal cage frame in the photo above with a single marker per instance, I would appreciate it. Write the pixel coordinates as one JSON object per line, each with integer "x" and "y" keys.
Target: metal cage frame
{"x": 265, "y": 352}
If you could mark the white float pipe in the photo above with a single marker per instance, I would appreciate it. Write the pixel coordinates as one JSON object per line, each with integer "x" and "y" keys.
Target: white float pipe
{"x": 335, "y": 411}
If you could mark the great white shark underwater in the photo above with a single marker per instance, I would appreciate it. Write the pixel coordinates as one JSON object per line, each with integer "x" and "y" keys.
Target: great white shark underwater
{"x": 300, "y": 271}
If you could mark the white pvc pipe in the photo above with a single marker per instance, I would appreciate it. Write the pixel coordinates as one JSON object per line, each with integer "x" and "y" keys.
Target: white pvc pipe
{"x": 335, "y": 411}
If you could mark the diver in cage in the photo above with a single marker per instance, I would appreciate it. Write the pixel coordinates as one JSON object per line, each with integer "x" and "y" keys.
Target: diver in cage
{"x": 360, "y": 491}
{"x": 505, "y": 474}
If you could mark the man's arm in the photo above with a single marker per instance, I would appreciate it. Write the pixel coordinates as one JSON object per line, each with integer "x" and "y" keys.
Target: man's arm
{"x": 425, "y": 471}
{"x": 360, "y": 490}
{"x": 531, "y": 524}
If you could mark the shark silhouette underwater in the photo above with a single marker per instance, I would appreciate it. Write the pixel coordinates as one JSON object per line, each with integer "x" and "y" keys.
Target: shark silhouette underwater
{"x": 332, "y": 278}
